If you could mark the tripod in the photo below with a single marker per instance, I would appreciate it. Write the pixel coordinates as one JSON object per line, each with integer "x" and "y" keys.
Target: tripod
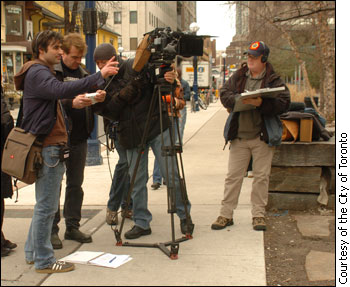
{"x": 164, "y": 94}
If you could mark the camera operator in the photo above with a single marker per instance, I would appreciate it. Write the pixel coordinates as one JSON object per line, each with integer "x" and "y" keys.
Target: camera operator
{"x": 130, "y": 106}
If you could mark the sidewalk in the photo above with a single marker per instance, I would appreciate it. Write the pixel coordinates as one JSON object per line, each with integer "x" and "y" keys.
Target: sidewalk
{"x": 233, "y": 256}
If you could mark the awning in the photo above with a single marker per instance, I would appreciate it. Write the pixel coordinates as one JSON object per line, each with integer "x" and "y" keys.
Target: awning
{"x": 21, "y": 46}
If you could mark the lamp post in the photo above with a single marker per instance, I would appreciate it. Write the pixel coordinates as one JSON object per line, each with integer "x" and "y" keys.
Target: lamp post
{"x": 90, "y": 29}
{"x": 224, "y": 57}
{"x": 194, "y": 28}
{"x": 120, "y": 51}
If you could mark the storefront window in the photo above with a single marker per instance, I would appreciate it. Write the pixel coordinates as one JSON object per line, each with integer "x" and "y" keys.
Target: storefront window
{"x": 8, "y": 68}
{"x": 14, "y": 20}
{"x": 18, "y": 62}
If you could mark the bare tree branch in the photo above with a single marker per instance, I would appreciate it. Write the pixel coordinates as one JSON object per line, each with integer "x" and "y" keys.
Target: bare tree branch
{"x": 276, "y": 19}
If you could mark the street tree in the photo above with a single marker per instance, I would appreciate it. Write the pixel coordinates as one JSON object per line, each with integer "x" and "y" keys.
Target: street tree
{"x": 303, "y": 24}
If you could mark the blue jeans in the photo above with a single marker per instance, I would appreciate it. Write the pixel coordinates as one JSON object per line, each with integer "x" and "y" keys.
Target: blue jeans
{"x": 38, "y": 246}
{"x": 121, "y": 180}
{"x": 182, "y": 121}
{"x": 141, "y": 215}
{"x": 157, "y": 174}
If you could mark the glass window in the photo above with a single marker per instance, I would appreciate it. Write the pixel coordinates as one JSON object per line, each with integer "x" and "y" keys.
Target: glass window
{"x": 120, "y": 42}
{"x": 111, "y": 40}
{"x": 8, "y": 69}
{"x": 133, "y": 17}
{"x": 14, "y": 20}
{"x": 133, "y": 44}
{"x": 117, "y": 17}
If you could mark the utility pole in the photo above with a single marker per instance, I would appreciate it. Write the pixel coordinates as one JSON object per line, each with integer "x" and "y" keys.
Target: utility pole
{"x": 90, "y": 29}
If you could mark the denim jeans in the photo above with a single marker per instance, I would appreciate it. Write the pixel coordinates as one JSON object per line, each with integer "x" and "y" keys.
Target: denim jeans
{"x": 157, "y": 174}
{"x": 38, "y": 246}
{"x": 74, "y": 193}
{"x": 182, "y": 122}
{"x": 141, "y": 215}
{"x": 121, "y": 180}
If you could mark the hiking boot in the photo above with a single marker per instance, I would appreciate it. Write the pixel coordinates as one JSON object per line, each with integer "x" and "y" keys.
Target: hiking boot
{"x": 57, "y": 267}
{"x": 221, "y": 222}
{"x": 56, "y": 241}
{"x": 137, "y": 232}
{"x": 259, "y": 223}
{"x": 155, "y": 185}
{"x": 10, "y": 245}
{"x": 111, "y": 217}
{"x": 183, "y": 226}
{"x": 77, "y": 235}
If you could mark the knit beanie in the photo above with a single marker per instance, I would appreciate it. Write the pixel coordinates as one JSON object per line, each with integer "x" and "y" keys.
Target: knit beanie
{"x": 104, "y": 51}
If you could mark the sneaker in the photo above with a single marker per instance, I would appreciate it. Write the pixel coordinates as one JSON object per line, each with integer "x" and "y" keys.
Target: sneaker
{"x": 221, "y": 222}
{"x": 29, "y": 262}
{"x": 77, "y": 235}
{"x": 57, "y": 267}
{"x": 10, "y": 245}
{"x": 186, "y": 228}
{"x": 259, "y": 223}
{"x": 56, "y": 241}
{"x": 137, "y": 232}
{"x": 111, "y": 217}
{"x": 155, "y": 185}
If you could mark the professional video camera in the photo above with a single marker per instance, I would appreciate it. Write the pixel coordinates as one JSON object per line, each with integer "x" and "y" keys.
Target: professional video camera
{"x": 161, "y": 46}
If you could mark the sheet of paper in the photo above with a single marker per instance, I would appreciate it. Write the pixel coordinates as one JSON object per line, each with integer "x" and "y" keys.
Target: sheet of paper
{"x": 97, "y": 258}
{"x": 110, "y": 260}
{"x": 82, "y": 257}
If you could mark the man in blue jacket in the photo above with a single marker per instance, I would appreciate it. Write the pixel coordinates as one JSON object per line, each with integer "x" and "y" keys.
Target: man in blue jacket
{"x": 42, "y": 116}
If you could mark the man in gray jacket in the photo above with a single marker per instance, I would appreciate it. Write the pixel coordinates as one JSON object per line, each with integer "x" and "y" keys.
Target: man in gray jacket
{"x": 248, "y": 134}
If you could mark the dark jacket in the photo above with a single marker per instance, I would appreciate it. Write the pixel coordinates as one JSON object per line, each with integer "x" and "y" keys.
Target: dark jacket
{"x": 269, "y": 107}
{"x": 80, "y": 121}
{"x": 41, "y": 92}
{"x": 132, "y": 116}
{"x": 6, "y": 127}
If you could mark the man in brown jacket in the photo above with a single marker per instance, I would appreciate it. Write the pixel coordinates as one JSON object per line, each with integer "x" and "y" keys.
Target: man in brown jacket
{"x": 248, "y": 135}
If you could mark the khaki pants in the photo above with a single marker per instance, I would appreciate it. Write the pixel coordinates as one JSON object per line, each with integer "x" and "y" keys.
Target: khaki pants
{"x": 241, "y": 151}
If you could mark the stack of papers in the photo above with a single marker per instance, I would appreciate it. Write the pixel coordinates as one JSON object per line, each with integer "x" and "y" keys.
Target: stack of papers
{"x": 97, "y": 258}
{"x": 265, "y": 92}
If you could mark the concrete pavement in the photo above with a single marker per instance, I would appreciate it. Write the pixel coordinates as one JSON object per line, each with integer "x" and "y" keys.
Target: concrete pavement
{"x": 233, "y": 256}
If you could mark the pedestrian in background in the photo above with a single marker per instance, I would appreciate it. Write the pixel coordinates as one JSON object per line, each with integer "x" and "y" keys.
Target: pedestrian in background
{"x": 6, "y": 184}
{"x": 43, "y": 116}
{"x": 179, "y": 106}
{"x": 187, "y": 97}
{"x": 248, "y": 135}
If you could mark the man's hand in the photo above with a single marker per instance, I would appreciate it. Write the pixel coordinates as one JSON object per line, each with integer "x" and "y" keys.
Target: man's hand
{"x": 170, "y": 76}
{"x": 253, "y": 101}
{"x": 110, "y": 68}
{"x": 100, "y": 97}
{"x": 80, "y": 102}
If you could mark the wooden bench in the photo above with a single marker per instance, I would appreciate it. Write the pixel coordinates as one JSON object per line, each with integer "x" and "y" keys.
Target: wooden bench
{"x": 303, "y": 167}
